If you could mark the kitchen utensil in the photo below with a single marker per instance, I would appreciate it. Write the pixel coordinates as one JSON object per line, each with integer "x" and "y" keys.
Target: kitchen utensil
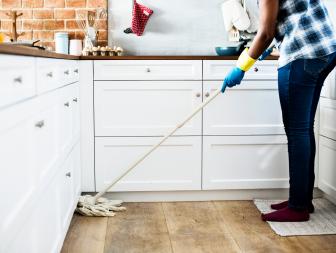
{"x": 98, "y": 206}
{"x": 230, "y": 48}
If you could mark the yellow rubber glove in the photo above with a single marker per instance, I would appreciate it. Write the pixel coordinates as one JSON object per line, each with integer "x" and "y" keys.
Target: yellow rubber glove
{"x": 245, "y": 62}
{"x": 2, "y": 38}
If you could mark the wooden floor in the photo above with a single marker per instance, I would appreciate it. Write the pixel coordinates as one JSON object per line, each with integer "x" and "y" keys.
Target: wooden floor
{"x": 186, "y": 227}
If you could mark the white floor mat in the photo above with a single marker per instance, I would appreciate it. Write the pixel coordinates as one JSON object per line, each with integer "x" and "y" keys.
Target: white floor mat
{"x": 322, "y": 221}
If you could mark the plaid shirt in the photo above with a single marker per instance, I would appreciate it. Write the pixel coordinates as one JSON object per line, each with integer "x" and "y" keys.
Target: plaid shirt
{"x": 304, "y": 30}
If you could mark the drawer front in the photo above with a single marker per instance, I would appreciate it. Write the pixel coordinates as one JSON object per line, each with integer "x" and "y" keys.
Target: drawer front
{"x": 69, "y": 72}
{"x": 251, "y": 108}
{"x": 217, "y": 70}
{"x": 147, "y": 70}
{"x": 48, "y": 74}
{"x": 17, "y": 79}
{"x": 328, "y": 118}
{"x": 146, "y": 108}
{"x": 327, "y": 166}
{"x": 176, "y": 165}
{"x": 245, "y": 162}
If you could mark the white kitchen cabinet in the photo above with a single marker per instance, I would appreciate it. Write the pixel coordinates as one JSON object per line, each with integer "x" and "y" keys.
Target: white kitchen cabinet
{"x": 146, "y": 108}
{"x": 176, "y": 165}
{"x": 251, "y": 108}
{"x": 245, "y": 162}
{"x": 328, "y": 118}
{"x": 148, "y": 70}
{"x": 217, "y": 70}
{"x": 17, "y": 79}
{"x": 327, "y": 166}
{"x": 38, "y": 148}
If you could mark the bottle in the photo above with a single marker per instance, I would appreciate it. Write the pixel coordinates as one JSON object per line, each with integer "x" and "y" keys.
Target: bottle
{"x": 62, "y": 42}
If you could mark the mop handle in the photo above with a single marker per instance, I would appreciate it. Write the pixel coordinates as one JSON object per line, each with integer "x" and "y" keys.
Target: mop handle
{"x": 190, "y": 116}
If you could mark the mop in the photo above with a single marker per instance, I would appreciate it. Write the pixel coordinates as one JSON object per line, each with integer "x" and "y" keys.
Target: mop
{"x": 97, "y": 205}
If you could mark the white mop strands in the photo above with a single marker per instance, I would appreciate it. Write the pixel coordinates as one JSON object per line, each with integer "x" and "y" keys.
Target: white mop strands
{"x": 98, "y": 206}
{"x": 89, "y": 206}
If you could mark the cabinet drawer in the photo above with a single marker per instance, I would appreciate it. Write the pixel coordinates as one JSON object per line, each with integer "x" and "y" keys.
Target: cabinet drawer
{"x": 327, "y": 166}
{"x": 147, "y": 70}
{"x": 251, "y": 108}
{"x": 328, "y": 118}
{"x": 48, "y": 74}
{"x": 17, "y": 79}
{"x": 69, "y": 71}
{"x": 176, "y": 165}
{"x": 146, "y": 108}
{"x": 217, "y": 70}
{"x": 245, "y": 162}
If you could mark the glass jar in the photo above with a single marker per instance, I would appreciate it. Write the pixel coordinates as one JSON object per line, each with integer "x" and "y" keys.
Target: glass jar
{"x": 62, "y": 43}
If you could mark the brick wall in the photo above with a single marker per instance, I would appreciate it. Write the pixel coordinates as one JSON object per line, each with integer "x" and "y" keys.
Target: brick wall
{"x": 42, "y": 18}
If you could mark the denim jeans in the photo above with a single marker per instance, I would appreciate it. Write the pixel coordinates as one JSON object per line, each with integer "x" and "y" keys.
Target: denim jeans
{"x": 300, "y": 83}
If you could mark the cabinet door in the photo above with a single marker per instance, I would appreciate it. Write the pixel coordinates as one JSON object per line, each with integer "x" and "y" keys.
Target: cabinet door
{"x": 66, "y": 191}
{"x": 328, "y": 118}
{"x": 244, "y": 162}
{"x": 327, "y": 166}
{"x": 176, "y": 165}
{"x": 46, "y": 136}
{"x": 66, "y": 119}
{"x": 250, "y": 109}
{"x": 18, "y": 175}
{"x": 145, "y": 108}
{"x": 77, "y": 169}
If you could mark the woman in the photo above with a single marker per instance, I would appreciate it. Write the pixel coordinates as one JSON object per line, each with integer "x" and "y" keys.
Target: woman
{"x": 307, "y": 55}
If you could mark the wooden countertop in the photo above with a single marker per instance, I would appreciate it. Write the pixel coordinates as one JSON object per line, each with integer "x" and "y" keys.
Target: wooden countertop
{"x": 28, "y": 51}
{"x": 31, "y": 51}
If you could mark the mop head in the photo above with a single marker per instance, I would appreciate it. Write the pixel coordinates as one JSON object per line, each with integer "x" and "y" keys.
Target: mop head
{"x": 103, "y": 207}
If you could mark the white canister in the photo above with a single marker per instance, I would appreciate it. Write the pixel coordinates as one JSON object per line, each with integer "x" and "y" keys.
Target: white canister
{"x": 62, "y": 43}
{"x": 76, "y": 47}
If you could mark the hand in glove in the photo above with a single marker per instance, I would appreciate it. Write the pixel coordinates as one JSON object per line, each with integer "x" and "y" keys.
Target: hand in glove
{"x": 236, "y": 75}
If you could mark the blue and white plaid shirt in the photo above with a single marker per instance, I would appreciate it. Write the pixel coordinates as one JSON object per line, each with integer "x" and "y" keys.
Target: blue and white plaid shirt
{"x": 304, "y": 30}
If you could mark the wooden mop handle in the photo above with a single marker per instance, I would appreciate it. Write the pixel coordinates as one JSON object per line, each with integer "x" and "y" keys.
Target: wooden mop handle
{"x": 134, "y": 164}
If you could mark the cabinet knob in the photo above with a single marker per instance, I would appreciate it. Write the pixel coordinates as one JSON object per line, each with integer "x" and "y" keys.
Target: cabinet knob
{"x": 76, "y": 71}
{"x": 50, "y": 74}
{"x": 68, "y": 174}
{"x": 67, "y": 104}
{"x": 18, "y": 79}
{"x": 40, "y": 124}
{"x": 75, "y": 100}
{"x": 207, "y": 94}
{"x": 67, "y": 72}
{"x": 148, "y": 70}
{"x": 198, "y": 94}
{"x": 256, "y": 69}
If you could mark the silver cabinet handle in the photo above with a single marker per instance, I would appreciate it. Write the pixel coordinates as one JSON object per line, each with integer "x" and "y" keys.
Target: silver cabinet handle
{"x": 207, "y": 94}
{"x": 18, "y": 79}
{"x": 75, "y": 100}
{"x": 50, "y": 74}
{"x": 67, "y": 104}
{"x": 67, "y": 72}
{"x": 256, "y": 69}
{"x": 40, "y": 124}
{"x": 76, "y": 71}
{"x": 198, "y": 94}
{"x": 148, "y": 70}
{"x": 68, "y": 174}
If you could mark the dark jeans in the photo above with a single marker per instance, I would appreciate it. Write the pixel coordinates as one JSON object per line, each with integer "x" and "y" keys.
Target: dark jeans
{"x": 300, "y": 84}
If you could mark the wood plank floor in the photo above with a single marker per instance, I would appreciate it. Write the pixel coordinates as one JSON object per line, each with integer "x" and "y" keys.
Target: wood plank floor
{"x": 186, "y": 227}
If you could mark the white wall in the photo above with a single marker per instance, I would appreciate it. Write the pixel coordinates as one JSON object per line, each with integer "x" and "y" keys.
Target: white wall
{"x": 177, "y": 27}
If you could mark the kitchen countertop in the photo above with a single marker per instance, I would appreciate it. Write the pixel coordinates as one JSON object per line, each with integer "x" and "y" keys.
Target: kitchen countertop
{"x": 27, "y": 51}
